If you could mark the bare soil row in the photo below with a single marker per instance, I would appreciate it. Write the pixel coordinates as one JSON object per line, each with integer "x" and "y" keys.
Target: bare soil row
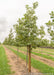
{"x": 17, "y": 64}
{"x": 44, "y": 60}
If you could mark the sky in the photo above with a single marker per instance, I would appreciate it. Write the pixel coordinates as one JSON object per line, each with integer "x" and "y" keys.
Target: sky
{"x": 11, "y": 10}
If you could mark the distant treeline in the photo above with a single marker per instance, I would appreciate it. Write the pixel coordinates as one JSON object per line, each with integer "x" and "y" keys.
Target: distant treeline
{"x": 48, "y": 47}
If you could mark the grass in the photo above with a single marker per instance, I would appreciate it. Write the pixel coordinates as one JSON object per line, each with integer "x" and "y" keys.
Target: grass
{"x": 45, "y": 56}
{"x": 37, "y": 49}
{"x": 40, "y": 50}
{"x": 45, "y": 49}
{"x": 39, "y": 54}
{"x": 43, "y": 68}
{"x": 4, "y": 67}
{"x": 45, "y": 52}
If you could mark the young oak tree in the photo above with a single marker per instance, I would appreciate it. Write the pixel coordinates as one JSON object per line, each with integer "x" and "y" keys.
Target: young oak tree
{"x": 17, "y": 40}
{"x": 50, "y": 26}
{"x": 10, "y": 38}
{"x": 41, "y": 32}
{"x": 5, "y": 42}
{"x": 0, "y": 43}
{"x": 27, "y": 30}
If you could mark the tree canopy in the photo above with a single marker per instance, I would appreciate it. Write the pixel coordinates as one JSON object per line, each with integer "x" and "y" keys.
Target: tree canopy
{"x": 26, "y": 28}
{"x": 50, "y": 25}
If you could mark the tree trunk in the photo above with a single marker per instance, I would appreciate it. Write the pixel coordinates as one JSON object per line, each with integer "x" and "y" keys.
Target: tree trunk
{"x": 27, "y": 59}
{"x": 29, "y": 48}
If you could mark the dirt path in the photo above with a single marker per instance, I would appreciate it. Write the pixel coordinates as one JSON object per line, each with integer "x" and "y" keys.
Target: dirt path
{"x": 19, "y": 66}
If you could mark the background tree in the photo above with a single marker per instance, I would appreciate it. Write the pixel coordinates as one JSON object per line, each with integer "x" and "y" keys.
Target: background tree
{"x": 5, "y": 41}
{"x": 10, "y": 38}
{"x": 17, "y": 42}
{"x": 40, "y": 37}
{"x": 0, "y": 43}
{"x": 41, "y": 32}
{"x": 52, "y": 44}
{"x": 27, "y": 30}
{"x": 45, "y": 43}
{"x": 50, "y": 26}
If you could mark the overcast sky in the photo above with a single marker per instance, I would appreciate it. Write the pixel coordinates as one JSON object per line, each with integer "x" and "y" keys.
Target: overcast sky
{"x": 11, "y": 10}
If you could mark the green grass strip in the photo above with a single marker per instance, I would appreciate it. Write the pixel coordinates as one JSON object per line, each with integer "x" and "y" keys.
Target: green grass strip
{"x": 24, "y": 49}
{"x": 45, "y": 56}
{"x": 42, "y": 51}
{"x": 43, "y": 68}
{"x": 45, "y": 49}
{"x": 39, "y": 54}
{"x": 4, "y": 67}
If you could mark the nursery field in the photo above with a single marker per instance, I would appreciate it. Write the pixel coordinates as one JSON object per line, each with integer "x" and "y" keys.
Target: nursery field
{"x": 13, "y": 61}
{"x": 42, "y": 59}
{"x": 26, "y": 45}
